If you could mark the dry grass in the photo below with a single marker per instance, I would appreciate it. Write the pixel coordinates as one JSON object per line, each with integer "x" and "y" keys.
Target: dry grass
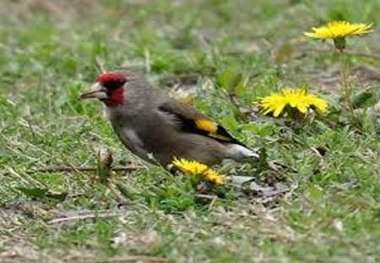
{"x": 50, "y": 51}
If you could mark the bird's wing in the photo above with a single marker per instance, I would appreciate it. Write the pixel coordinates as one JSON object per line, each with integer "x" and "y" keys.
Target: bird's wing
{"x": 192, "y": 121}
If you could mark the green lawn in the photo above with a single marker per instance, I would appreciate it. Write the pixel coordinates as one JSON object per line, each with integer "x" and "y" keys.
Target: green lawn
{"x": 51, "y": 51}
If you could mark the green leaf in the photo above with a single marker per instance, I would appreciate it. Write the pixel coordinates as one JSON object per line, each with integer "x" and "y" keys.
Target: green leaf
{"x": 366, "y": 98}
{"x": 314, "y": 193}
{"x": 260, "y": 129}
{"x": 33, "y": 192}
{"x": 229, "y": 79}
{"x": 39, "y": 193}
{"x": 56, "y": 195}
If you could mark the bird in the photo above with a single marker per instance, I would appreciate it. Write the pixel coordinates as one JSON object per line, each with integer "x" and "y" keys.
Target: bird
{"x": 159, "y": 129}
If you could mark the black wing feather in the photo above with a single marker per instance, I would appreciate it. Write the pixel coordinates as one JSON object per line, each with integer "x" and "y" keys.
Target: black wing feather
{"x": 187, "y": 117}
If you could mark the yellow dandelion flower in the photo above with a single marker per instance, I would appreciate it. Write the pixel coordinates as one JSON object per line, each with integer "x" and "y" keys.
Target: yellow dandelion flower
{"x": 299, "y": 99}
{"x": 214, "y": 177}
{"x": 338, "y": 30}
{"x": 199, "y": 169}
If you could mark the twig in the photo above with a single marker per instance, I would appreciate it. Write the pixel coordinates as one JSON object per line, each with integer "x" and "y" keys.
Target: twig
{"x": 119, "y": 196}
{"x": 25, "y": 179}
{"x": 83, "y": 217}
{"x": 212, "y": 203}
{"x": 128, "y": 259}
{"x": 208, "y": 197}
{"x": 80, "y": 169}
{"x": 121, "y": 259}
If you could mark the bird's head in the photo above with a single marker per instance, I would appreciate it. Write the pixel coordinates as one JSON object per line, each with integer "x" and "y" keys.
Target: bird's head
{"x": 109, "y": 88}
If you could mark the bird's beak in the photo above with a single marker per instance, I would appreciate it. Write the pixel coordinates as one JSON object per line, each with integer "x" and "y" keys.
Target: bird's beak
{"x": 97, "y": 91}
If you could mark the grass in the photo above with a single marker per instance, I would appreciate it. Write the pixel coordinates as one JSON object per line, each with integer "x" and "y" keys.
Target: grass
{"x": 49, "y": 53}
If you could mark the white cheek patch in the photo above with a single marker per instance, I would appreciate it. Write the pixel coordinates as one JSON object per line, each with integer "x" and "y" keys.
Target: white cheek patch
{"x": 107, "y": 113}
{"x": 102, "y": 96}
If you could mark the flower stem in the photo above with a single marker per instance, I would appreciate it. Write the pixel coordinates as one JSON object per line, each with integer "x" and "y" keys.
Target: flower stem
{"x": 346, "y": 87}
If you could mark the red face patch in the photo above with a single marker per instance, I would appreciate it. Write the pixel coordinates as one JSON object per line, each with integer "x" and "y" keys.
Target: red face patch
{"x": 116, "y": 97}
{"x": 113, "y": 82}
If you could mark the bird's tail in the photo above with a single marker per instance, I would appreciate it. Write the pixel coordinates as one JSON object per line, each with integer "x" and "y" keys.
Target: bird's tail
{"x": 239, "y": 152}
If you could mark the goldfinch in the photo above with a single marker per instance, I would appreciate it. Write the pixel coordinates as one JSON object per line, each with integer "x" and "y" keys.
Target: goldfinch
{"x": 157, "y": 128}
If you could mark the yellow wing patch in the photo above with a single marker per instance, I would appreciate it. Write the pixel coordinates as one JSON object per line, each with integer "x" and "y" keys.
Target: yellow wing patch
{"x": 206, "y": 125}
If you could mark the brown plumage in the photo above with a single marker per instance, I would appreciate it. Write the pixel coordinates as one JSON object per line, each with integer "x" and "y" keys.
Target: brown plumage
{"x": 152, "y": 125}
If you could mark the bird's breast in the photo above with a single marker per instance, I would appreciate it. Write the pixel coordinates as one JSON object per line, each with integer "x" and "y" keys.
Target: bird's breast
{"x": 132, "y": 141}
